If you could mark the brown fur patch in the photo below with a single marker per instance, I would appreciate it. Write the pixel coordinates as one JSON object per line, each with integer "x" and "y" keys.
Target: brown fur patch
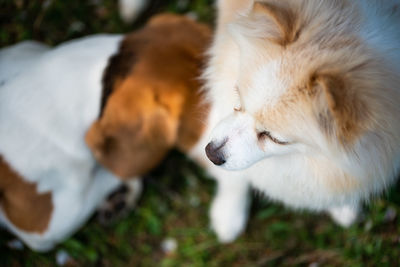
{"x": 340, "y": 110}
{"x": 154, "y": 97}
{"x": 27, "y": 209}
{"x": 118, "y": 67}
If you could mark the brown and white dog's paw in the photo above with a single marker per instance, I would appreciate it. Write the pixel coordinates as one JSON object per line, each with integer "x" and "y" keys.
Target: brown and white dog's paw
{"x": 120, "y": 202}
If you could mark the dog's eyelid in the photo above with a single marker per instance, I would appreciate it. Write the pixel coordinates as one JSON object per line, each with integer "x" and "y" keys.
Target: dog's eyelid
{"x": 264, "y": 134}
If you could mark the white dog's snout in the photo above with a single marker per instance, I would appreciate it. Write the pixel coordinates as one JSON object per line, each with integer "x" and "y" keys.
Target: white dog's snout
{"x": 239, "y": 147}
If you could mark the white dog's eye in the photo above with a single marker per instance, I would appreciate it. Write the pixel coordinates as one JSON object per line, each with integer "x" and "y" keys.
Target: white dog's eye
{"x": 265, "y": 134}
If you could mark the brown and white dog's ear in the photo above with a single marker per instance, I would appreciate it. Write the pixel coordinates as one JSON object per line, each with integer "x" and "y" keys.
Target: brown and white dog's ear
{"x": 95, "y": 139}
{"x": 130, "y": 149}
{"x": 111, "y": 146}
{"x": 338, "y": 109}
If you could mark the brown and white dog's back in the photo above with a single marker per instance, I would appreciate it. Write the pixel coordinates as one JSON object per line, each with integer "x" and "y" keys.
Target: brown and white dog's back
{"x": 82, "y": 117}
{"x": 306, "y": 100}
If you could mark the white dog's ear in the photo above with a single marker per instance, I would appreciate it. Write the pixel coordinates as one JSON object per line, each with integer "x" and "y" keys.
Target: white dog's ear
{"x": 283, "y": 18}
{"x": 271, "y": 20}
{"x": 229, "y": 10}
{"x": 339, "y": 111}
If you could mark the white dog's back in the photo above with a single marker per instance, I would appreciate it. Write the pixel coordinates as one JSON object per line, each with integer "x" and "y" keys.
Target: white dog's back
{"x": 16, "y": 58}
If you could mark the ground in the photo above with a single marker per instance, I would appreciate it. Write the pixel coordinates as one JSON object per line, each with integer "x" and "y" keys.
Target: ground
{"x": 177, "y": 195}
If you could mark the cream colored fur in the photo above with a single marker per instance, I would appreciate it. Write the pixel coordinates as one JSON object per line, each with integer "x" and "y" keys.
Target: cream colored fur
{"x": 326, "y": 81}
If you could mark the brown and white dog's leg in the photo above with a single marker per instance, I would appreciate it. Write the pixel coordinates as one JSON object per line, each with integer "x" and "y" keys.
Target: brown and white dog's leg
{"x": 121, "y": 201}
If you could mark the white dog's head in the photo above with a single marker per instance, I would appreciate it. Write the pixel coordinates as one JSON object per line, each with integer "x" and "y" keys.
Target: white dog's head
{"x": 306, "y": 82}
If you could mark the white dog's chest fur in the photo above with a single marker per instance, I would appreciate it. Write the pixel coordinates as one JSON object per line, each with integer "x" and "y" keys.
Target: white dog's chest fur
{"x": 42, "y": 132}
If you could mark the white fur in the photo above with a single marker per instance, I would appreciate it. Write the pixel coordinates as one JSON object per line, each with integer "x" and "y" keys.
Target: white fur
{"x": 345, "y": 215}
{"x": 233, "y": 191}
{"x": 48, "y": 100}
{"x": 295, "y": 177}
{"x": 267, "y": 86}
{"x": 130, "y": 9}
{"x": 19, "y": 57}
{"x": 135, "y": 188}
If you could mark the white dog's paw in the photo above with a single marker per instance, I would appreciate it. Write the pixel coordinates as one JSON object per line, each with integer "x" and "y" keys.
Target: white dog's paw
{"x": 227, "y": 220}
{"x": 345, "y": 216}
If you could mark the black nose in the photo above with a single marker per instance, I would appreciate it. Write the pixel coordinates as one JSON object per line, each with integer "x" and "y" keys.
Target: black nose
{"x": 214, "y": 153}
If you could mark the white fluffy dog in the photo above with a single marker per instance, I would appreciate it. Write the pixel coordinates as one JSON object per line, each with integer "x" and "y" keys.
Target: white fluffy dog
{"x": 305, "y": 97}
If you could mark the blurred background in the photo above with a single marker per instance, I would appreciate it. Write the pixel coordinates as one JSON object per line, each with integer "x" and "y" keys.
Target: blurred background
{"x": 170, "y": 225}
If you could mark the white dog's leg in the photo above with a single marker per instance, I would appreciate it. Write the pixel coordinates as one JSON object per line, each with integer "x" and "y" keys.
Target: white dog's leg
{"x": 345, "y": 215}
{"x": 229, "y": 210}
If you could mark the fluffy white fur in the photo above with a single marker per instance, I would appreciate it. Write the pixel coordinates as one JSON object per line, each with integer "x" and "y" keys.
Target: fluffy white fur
{"x": 296, "y": 174}
{"x": 48, "y": 100}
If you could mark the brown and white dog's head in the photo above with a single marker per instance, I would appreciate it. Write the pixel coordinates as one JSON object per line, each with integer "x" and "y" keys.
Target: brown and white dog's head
{"x": 147, "y": 86}
{"x": 306, "y": 82}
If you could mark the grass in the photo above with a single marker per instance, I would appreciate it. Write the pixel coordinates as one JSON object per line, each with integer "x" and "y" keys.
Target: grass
{"x": 177, "y": 195}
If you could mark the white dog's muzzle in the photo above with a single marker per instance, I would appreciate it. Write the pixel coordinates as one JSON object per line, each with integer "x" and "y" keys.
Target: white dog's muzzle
{"x": 234, "y": 144}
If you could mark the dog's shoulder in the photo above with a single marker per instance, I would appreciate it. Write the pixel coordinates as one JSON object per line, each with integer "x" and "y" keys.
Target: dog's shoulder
{"x": 47, "y": 107}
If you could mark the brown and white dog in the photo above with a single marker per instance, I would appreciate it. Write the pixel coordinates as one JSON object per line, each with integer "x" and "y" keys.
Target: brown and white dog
{"x": 305, "y": 105}
{"x": 78, "y": 119}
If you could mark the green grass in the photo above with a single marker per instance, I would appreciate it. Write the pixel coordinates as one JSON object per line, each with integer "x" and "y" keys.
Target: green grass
{"x": 177, "y": 195}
